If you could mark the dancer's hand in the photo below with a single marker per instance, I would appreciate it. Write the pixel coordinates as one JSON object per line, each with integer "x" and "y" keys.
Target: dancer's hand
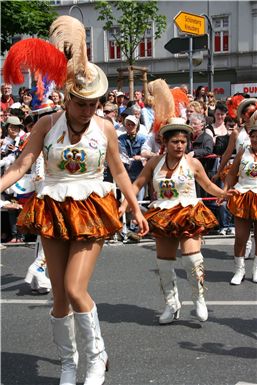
{"x": 142, "y": 223}
{"x": 227, "y": 194}
{"x": 122, "y": 208}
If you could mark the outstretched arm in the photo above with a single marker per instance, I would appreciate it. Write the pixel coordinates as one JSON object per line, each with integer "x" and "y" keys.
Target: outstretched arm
{"x": 205, "y": 182}
{"x": 28, "y": 155}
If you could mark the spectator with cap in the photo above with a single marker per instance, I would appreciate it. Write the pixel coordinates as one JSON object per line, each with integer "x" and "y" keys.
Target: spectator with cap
{"x": 120, "y": 102}
{"x": 130, "y": 149}
{"x": 9, "y": 151}
{"x": 10, "y": 142}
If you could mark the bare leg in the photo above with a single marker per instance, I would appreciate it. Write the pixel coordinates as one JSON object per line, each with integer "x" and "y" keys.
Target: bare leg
{"x": 166, "y": 248}
{"x": 243, "y": 227}
{"x": 57, "y": 254}
{"x": 80, "y": 267}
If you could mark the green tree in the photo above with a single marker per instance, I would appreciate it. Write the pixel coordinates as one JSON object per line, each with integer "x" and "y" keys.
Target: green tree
{"x": 24, "y": 17}
{"x": 132, "y": 18}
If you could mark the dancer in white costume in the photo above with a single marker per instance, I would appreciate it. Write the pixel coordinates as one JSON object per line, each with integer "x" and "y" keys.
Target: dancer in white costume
{"x": 239, "y": 139}
{"x": 74, "y": 210}
{"x": 177, "y": 216}
{"x": 243, "y": 176}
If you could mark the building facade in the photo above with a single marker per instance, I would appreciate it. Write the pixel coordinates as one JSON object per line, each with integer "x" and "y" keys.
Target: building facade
{"x": 234, "y": 30}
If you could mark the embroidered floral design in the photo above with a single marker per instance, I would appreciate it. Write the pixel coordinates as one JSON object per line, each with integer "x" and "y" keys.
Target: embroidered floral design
{"x": 167, "y": 189}
{"x": 93, "y": 143}
{"x": 73, "y": 160}
{"x": 100, "y": 159}
{"x": 61, "y": 139}
{"x": 46, "y": 151}
{"x": 252, "y": 170}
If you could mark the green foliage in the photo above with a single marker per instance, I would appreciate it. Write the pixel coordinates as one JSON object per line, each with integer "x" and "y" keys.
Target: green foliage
{"x": 133, "y": 19}
{"x": 25, "y": 17}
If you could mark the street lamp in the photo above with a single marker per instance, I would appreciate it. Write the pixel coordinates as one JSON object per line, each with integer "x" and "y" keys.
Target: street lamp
{"x": 81, "y": 13}
{"x": 210, "y": 68}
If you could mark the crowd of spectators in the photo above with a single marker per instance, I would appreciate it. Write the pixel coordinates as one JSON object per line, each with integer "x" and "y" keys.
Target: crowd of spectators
{"x": 133, "y": 121}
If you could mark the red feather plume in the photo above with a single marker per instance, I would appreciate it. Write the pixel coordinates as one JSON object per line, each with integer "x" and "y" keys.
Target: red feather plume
{"x": 232, "y": 105}
{"x": 37, "y": 55}
{"x": 180, "y": 99}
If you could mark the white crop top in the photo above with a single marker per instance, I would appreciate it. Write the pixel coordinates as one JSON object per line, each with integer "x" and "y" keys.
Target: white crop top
{"x": 180, "y": 188}
{"x": 74, "y": 170}
{"x": 247, "y": 179}
{"x": 243, "y": 139}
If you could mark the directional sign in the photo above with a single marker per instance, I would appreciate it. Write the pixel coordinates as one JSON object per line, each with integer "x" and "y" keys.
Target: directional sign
{"x": 181, "y": 44}
{"x": 190, "y": 23}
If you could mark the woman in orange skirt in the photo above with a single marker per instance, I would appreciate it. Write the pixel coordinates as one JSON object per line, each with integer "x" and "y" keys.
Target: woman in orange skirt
{"x": 74, "y": 210}
{"x": 243, "y": 205}
{"x": 177, "y": 216}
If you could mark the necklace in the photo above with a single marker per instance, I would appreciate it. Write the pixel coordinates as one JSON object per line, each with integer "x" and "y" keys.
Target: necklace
{"x": 77, "y": 133}
{"x": 171, "y": 169}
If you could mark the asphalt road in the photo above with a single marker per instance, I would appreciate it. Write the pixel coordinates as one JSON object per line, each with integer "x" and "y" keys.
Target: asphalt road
{"x": 125, "y": 286}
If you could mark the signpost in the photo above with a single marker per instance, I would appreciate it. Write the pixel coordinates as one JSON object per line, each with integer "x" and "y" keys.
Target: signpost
{"x": 194, "y": 26}
{"x": 190, "y": 23}
{"x": 181, "y": 44}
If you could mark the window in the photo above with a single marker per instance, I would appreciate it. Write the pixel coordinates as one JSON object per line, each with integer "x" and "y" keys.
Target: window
{"x": 89, "y": 43}
{"x": 221, "y": 34}
{"x": 113, "y": 50}
{"x": 145, "y": 48}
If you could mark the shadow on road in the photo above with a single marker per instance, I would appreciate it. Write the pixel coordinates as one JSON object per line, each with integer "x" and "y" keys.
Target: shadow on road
{"x": 22, "y": 369}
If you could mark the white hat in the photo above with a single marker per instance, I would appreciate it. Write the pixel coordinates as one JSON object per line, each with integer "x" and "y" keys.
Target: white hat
{"x": 133, "y": 119}
{"x": 92, "y": 89}
{"x": 84, "y": 79}
{"x": 174, "y": 124}
{"x": 119, "y": 94}
{"x": 13, "y": 120}
{"x": 46, "y": 105}
{"x": 244, "y": 103}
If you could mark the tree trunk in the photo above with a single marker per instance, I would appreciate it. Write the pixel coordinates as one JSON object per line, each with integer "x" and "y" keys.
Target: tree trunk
{"x": 131, "y": 83}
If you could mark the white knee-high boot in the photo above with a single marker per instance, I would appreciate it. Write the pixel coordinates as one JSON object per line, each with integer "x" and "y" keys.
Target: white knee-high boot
{"x": 64, "y": 338}
{"x": 168, "y": 282}
{"x": 97, "y": 359}
{"x": 239, "y": 271}
{"x": 193, "y": 264}
{"x": 255, "y": 269}
{"x": 248, "y": 247}
{"x": 36, "y": 274}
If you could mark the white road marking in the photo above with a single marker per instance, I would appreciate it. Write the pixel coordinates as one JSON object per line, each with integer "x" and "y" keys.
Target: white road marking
{"x": 245, "y": 383}
{"x": 184, "y": 303}
{"x": 26, "y": 301}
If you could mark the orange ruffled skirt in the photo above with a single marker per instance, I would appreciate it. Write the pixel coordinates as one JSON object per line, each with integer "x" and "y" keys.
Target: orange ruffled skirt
{"x": 92, "y": 218}
{"x": 244, "y": 205}
{"x": 180, "y": 221}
